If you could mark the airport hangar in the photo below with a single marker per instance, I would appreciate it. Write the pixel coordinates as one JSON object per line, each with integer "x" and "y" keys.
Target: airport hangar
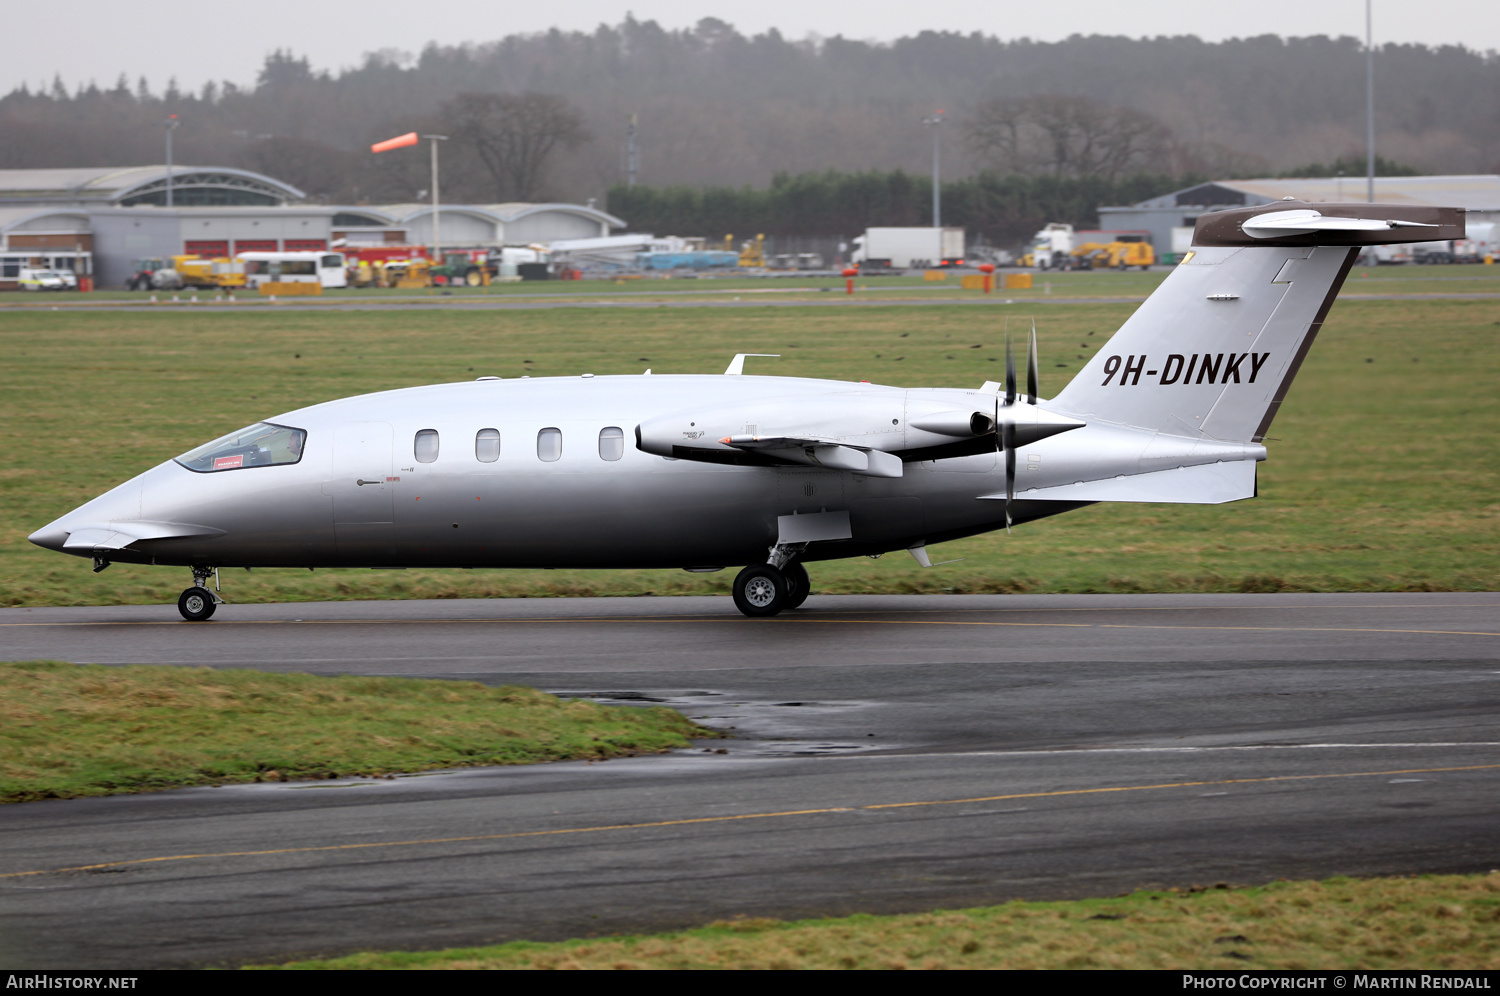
{"x": 1170, "y": 218}
{"x": 98, "y": 221}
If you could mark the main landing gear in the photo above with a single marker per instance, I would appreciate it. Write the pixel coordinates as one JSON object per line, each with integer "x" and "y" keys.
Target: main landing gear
{"x": 197, "y": 604}
{"x": 766, "y": 589}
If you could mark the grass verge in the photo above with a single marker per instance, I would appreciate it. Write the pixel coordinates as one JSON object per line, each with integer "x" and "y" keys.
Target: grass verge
{"x": 71, "y": 730}
{"x": 1430, "y": 922}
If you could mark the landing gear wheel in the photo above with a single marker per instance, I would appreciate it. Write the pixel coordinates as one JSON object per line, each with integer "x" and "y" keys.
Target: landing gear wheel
{"x": 760, "y": 590}
{"x": 196, "y": 604}
{"x": 798, "y": 584}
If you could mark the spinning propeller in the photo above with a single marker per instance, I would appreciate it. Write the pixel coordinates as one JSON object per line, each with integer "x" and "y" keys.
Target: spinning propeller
{"x": 1005, "y": 424}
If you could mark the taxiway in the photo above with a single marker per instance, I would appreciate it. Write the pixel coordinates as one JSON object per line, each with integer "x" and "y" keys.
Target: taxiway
{"x": 886, "y": 753}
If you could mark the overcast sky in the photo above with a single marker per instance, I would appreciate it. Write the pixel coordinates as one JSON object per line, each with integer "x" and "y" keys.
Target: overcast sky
{"x": 98, "y": 39}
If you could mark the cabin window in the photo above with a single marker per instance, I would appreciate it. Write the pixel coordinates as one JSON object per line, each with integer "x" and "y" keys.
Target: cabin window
{"x": 487, "y": 445}
{"x": 426, "y": 446}
{"x": 549, "y": 445}
{"x": 260, "y": 445}
{"x": 611, "y": 443}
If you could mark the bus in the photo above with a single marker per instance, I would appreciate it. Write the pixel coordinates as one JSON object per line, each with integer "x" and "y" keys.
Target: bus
{"x": 326, "y": 268}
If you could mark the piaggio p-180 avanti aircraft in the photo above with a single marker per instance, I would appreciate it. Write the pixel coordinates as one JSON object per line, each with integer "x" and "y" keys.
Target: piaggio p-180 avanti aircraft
{"x": 704, "y": 472}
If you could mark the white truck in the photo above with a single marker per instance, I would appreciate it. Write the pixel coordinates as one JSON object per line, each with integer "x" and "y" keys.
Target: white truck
{"x": 1052, "y": 247}
{"x": 908, "y": 248}
{"x": 1481, "y": 244}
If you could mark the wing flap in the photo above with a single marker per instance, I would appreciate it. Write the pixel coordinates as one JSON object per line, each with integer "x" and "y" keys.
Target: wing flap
{"x": 814, "y": 452}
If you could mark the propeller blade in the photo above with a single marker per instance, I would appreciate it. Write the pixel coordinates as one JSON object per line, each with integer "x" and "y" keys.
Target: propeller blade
{"x": 1033, "y": 376}
{"x": 1010, "y": 470}
{"x": 1010, "y": 373}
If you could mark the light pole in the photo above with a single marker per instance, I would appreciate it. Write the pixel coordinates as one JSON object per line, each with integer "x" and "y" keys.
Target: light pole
{"x": 632, "y": 160}
{"x": 1369, "y": 105}
{"x": 937, "y": 191}
{"x": 401, "y": 142}
{"x": 171, "y": 124}
{"x": 437, "y": 251}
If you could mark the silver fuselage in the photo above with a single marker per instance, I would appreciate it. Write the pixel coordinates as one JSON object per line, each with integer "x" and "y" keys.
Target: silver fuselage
{"x": 358, "y": 497}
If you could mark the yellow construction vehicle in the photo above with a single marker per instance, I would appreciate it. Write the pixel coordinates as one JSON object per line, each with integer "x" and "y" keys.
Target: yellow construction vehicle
{"x": 213, "y": 274}
{"x": 365, "y": 274}
{"x": 1113, "y": 255}
{"x": 752, "y": 254}
{"x": 406, "y": 273}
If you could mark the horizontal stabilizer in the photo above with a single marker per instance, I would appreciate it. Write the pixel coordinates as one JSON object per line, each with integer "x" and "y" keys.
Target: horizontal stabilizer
{"x": 1303, "y": 222}
{"x": 1296, "y": 223}
{"x": 1208, "y": 484}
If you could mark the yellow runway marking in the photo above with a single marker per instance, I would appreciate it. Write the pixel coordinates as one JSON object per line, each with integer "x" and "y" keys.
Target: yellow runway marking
{"x": 744, "y": 816}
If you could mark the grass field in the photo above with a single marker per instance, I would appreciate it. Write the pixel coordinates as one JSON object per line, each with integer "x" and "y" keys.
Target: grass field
{"x": 69, "y": 730}
{"x": 1431, "y": 922}
{"x": 1382, "y": 475}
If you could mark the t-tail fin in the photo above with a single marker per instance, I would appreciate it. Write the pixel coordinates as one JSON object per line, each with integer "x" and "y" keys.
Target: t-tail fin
{"x": 1213, "y": 351}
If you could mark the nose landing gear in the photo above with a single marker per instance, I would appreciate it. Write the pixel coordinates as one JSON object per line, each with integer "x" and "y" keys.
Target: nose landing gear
{"x": 197, "y": 603}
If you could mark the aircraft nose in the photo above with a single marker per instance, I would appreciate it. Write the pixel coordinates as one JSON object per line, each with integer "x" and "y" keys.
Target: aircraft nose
{"x": 51, "y": 536}
{"x": 120, "y": 503}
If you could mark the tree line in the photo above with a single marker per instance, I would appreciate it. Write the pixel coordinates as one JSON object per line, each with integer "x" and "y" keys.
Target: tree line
{"x": 997, "y": 208}
{"x": 540, "y": 117}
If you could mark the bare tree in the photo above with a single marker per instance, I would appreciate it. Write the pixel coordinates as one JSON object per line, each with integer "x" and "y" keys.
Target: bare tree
{"x": 1067, "y": 136}
{"x": 514, "y": 136}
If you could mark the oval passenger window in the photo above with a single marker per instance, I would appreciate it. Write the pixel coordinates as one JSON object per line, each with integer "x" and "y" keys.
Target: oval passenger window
{"x": 611, "y": 443}
{"x": 549, "y": 444}
{"x": 426, "y": 446}
{"x": 487, "y": 445}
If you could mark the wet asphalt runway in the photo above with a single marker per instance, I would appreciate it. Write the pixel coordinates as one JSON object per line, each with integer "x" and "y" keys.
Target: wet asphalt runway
{"x": 888, "y": 753}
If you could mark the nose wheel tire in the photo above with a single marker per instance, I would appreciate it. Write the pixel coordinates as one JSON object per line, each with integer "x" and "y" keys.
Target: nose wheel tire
{"x": 196, "y": 604}
{"x": 798, "y": 584}
{"x": 760, "y": 590}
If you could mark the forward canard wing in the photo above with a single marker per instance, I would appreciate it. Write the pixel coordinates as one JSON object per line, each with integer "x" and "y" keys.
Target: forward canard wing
{"x": 117, "y": 535}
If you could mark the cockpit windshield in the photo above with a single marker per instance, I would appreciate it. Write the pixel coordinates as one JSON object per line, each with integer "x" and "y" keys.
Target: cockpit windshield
{"x": 260, "y": 445}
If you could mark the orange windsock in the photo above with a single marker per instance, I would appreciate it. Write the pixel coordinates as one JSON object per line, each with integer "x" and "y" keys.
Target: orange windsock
{"x": 401, "y": 142}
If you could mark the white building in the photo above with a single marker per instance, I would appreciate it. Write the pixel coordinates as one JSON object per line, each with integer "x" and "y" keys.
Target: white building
{"x": 101, "y": 220}
{"x": 1480, "y": 195}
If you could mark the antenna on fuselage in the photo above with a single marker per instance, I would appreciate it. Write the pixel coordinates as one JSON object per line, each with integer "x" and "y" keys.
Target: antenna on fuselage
{"x": 737, "y": 365}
